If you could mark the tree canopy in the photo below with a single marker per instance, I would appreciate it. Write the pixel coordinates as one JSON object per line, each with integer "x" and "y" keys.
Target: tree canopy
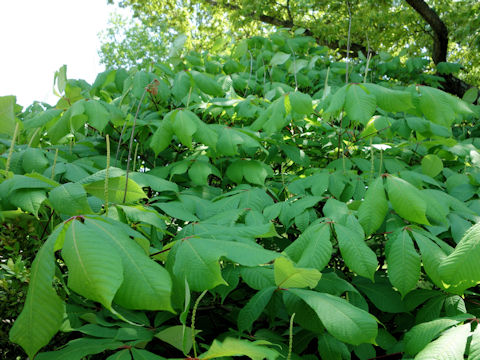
{"x": 443, "y": 30}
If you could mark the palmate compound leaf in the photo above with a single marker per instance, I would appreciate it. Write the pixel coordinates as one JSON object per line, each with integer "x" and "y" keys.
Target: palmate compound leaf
{"x": 42, "y": 314}
{"x": 355, "y": 252}
{"x": 287, "y": 275}
{"x": 341, "y": 319}
{"x": 449, "y": 346}
{"x": 373, "y": 209}
{"x": 313, "y": 248}
{"x": 254, "y": 308}
{"x": 197, "y": 259}
{"x": 403, "y": 262}
{"x": 460, "y": 268}
{"x": 256, "y": 350}
{"x": 406, "y": 200}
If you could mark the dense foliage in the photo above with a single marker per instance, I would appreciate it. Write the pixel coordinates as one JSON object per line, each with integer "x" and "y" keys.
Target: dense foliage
{"x": 271, "y": 204}
{"x": 443, "y": 30}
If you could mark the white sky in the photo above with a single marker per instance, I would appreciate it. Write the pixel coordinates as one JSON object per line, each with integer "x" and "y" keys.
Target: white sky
{"x": 38, "y": 36}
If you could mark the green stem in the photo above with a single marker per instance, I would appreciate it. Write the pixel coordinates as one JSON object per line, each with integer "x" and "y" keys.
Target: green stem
{"x": 194, "y": 313}
{"x": 290, "y": 337}
{"x": 106, "y": 174}
{"x": 12, "y": 146}
{"x": 54, "y": 163}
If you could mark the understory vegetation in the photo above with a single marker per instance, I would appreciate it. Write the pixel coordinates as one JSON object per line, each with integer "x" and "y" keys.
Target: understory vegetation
{"x": 274, "y": 203}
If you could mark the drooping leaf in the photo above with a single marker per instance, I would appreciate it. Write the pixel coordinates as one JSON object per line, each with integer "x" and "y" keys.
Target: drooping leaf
{"x": 43, "y": 312}
{"x": 406, "y": 200}
{"x": 116, "y": 190}
{"x": 359, "y": 105}
{"x": 341, "y": 319}
{"x": 403, "y": 262}
{"x": 355, "y": 252}
{"x": 373, "y": 209}
{"x": 301, "y": 103}
{"x": 254, "y": 308}
{"x": 70, "y": 199}
{"x": 449, "y": 346}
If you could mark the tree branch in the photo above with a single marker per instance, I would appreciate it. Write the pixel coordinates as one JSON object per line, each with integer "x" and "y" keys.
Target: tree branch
{"x": 452, "y": 84}
{"x": 271, "y": 20}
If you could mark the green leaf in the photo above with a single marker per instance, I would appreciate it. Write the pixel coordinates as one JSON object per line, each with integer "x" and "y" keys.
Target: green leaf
{"x": 301, "y": 103}
{"x": 34, "y": 160}
{"x": 403, "y": 262}
{"x": 95, "y": 269}
{"x": 7, "y": 115}
{"x": 330, "y": 348}
{"x": 432, "y": 165}
{"x": 474, "y": 353}
{"x": 238, "y": 347}
{"x": 460, "y": 268}
{"x": 420, "y": 335}
{"x": 470, "y": 95}
{"x": 43, "y": 312}
{"x": 28, "y": 199}
{"x": 287, "y": 275}
{"x": 199, "y": 172}
{"x": 197, "y": 259}
{"x": 381, "y": 294}
{"x": 98, "y": 115}
{"x": 359, "y": 105}
{"x": 313, "y": 248}
{"x": 390, "y": 100}
{"x": 178, "y": 336}
{"x": 78, "y": 349}
{"x": 254, "y": 308}
{"x": 206, "y": 84}
{"x": 140, "y": 354}
{"x": 250, "y": 170}
{"x": 337, "y": 102}
{"x": 161, "y": 138}
{"x": 116, "y": 190}
{"x": 341, "y": 319}
{"x": 146, "y": 285}
{"x": 406, "y": 200}
{"x": 279, "y": 58}
{"x": 70, "y": 199}
{"x": 373, "y": 209}
{"x": 355, "y": 252}
{"x": 449, "y": 346}
{"x": 184, "y": 127}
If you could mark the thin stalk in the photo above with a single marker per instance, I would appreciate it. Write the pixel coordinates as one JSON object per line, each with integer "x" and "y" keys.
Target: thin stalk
{"x": 348, "y": 39}
{"x": 381, "y": 162}
{"x": 106, "y": 174}
{"x": 189, "y": 94}
{"x": 250, "y": 75}
{"x": 294, "y": 69}
{"x": 33, "y": 137}
{"x": 131, "y": 143}
{"x": 120, "y": 138}
{"x": 54, "y": 164}
{"x": 12, "y": 146}
{"x": 194, "y": 313}
{"x": 135, "y": 158}
{"x": 290, "y": 337}
{"x": 372, "y": 159}
{"x": 366, "y": 69}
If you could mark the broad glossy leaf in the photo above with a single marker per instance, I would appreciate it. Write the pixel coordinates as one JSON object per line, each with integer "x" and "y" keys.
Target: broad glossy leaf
{"x": 95, "y": 269}
{"x": 391, "y": 100}
{"x": 140, "y": 354}
{"x": 355, "y": 252}
{"x": 313, "y": 248}
{"x": 161, "y": 138}
{"x": 406, "y": 200}
{"x": 359, "y": 105}
{"x": 199, "y": 172}
{"x": 34, "y": 160}
{"x": 341, "y": 319}
{"x": 254, "y": 308}
{"x": 98, "y": 115}
{"x": 70, "y": 199}
{"x": 238, "y": 347}
{"x": 279, "y": 58}
{"x": 329, "y": 348}
{"x": 178, "y": 336}
{"x": 78, "y": 349}
{"x": 207, "y": 84}
{"x": 460, "y": 268}
{"x": 258, "y": 278}
{"x": 432, "y": 165}
{"x": 250, "y": 170}
{"x": 287, "y": 275}
{"x": 474, "y": 353}
{"x": 449, "y": 346}
{"x": 146, "y": 285}
{"x": 28, "y": 199}
{"x": 43, "y": 312}
{"x": 116, "y": 190}
{"x": 420, "y": 335}
{"x": 403, "y": 262}
{"x": 184, "y": 127}
{"x": 381, "y": 294}
{"x": 301, "y": 103}
{"x": 373, "y": 209}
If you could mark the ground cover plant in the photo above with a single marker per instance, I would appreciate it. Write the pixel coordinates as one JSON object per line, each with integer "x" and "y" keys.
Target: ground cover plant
{"x": 273, "y": 203}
